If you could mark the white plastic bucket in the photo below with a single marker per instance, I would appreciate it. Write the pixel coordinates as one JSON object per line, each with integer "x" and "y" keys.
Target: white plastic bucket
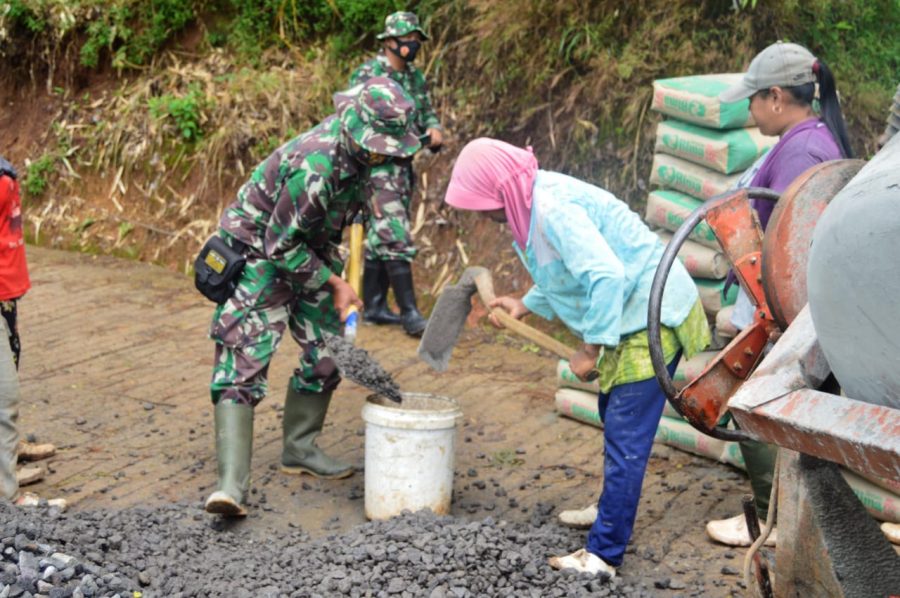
{"x": 410, "y": 451}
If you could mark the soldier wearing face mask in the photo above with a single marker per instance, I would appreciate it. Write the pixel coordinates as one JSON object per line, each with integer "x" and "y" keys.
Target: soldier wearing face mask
{"x": 389, "y": 245}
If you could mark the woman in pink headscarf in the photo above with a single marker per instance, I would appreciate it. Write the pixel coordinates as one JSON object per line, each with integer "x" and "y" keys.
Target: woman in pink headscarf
{"x": 592, "y": 261}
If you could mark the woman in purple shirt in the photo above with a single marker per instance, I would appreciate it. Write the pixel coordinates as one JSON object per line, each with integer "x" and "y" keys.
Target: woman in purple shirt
{"x": 792, "y": 95}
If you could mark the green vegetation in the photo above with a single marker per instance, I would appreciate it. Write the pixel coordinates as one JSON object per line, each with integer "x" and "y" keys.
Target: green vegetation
{"x": 506, "y": 458}
{"x": 132, "y": 31}
{"x": 185, "y": 111}
{"x": 256, "y": 26}
{"x": 195, "y": 92}
{"x": 37, "y": 175}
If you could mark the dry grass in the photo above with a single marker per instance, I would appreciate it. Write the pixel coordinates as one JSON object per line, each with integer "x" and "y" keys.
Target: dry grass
{"x": 570, "y": 77}
{"x": 149, "y": 178}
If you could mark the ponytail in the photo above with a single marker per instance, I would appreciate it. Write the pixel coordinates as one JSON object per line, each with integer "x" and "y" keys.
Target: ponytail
{"x": 830, "y": 107}
{"x": 824, "y": 92}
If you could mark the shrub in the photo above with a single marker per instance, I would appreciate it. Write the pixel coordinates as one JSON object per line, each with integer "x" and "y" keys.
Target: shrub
{"x": 184, "y": 112}
{"x": 287, "y": 23}
{"x": 37, "y": 175}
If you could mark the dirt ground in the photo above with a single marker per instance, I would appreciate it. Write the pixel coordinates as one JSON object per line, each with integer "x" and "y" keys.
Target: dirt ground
{"x": 115, "y": 368}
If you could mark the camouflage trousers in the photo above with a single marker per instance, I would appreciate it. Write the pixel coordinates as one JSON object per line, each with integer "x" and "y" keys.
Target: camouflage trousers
{"x": 249, "y": 327}
{"x": 388, "y": 194}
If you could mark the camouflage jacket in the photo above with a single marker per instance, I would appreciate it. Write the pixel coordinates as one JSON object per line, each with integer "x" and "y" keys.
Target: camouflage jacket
{"x": 295, "y": 205}
{"x": 413, "y": 82}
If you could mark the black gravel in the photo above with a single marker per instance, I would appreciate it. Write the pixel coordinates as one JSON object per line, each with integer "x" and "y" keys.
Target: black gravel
{"x": 177, "y": 551}
{"x": 357, "y": 365}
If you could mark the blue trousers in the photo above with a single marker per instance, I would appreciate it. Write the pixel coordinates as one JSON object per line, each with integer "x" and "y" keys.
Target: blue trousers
{"x": 630, "y": 414}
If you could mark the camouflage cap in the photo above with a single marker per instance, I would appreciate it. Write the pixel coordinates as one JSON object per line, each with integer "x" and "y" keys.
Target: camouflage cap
{"x": 401, "y": 23}
{"x": 378, "y": 115}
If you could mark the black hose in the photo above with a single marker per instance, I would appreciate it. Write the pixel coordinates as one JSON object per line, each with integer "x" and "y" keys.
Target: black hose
{"x": 654, "y": 314}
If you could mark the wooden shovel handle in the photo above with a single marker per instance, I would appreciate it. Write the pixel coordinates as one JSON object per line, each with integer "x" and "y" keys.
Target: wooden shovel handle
{"x": 485, "y": 285}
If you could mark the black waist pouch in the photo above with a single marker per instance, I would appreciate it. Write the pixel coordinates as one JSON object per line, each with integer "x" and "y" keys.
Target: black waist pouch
{"x": 217, "y": 269}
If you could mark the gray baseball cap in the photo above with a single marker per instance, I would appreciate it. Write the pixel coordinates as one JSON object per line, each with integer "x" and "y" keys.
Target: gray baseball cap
{"x": 781, "y": 64}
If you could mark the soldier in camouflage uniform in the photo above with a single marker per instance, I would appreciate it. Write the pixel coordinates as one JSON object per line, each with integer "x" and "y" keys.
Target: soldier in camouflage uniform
{"x": 287, "y": 221}
{"x": 389, "y": 245}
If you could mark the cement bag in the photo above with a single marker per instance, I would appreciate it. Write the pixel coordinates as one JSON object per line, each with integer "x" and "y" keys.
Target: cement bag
{"x": 669, "y": 411}
{"x": 699, "y": 260}
{"x": 892, "y": 486}
{"x": 566, "y": 379}
{"x": 672, "y": 431}
{"x": 581, "y": 405}
{"x": 723, "y": 151}
{"x": 696, "y": 100}
{"x": 718, "y": 342}
{"x": 688, "y": 369}
{"x": 723, "y": 322}
{"x": 578, "y": 404}
{"x": 880, "y": 503}
{"x": 681, "y": 435}
{"x": 687, "y": 177}
{"x": 712, "y": 294}
{"x": 669, "y": 209}
{"x": 732, "y": 455}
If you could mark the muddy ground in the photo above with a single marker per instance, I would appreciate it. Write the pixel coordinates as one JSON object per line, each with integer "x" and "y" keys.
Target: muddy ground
{"x": 114, "y": 371}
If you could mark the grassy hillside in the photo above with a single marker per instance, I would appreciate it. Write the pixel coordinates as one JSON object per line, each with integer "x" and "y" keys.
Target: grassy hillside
{"x": 136, "y": 120}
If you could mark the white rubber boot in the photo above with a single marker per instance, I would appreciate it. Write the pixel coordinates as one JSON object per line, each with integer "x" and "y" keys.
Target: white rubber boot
{"x": 734, "y": 532}
{"x": 29, "y": 474}
{"x": 29, "y": 451}
{"x": 579, "y": 518}
{"x": 30, "y": 499}
{"x": 892, "y": 531}
{"x": 584, "y": 562}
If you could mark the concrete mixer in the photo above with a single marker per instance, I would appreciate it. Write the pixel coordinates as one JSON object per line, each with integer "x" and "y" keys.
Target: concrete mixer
{"x": 818, "y": 371}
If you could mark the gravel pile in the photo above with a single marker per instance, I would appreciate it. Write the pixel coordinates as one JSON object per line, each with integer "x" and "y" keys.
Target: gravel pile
{"x": 176, "y": 550}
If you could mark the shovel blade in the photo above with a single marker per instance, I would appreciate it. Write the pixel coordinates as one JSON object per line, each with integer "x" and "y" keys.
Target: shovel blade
{"x": 445, "y": 325}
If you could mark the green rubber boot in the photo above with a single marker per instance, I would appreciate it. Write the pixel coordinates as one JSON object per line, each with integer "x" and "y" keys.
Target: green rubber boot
{"x": 234, "y": 448}
{"x": 304, "y": 416}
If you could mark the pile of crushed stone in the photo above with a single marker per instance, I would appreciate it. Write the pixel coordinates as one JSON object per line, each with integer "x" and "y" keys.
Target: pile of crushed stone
{"x": 178, "y": 551}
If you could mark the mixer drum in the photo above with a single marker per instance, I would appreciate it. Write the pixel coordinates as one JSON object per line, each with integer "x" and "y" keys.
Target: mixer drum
{"x": 853, "y": 278}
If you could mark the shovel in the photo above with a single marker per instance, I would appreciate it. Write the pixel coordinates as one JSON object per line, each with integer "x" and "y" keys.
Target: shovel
{"x": 453, "y": 306}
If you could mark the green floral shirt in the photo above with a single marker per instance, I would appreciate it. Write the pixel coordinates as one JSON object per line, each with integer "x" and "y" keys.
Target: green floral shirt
{"x": 630, "y": 361}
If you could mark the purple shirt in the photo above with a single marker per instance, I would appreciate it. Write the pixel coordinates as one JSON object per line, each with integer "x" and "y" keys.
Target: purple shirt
{"x": 804, "y": 146}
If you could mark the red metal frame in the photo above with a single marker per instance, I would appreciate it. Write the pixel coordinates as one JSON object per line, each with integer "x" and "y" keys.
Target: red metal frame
{"x": 778, "y": 405}
{"x": 705, "y": 400}
{"x": 771, "y": 268}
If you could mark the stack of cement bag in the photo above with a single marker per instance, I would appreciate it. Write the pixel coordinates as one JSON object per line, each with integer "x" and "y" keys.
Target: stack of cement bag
{"x": 578, "y": 400}
{"x": 702, "y": 149}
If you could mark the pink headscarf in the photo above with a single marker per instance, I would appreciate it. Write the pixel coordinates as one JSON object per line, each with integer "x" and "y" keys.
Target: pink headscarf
{"x": 490, "y": 174}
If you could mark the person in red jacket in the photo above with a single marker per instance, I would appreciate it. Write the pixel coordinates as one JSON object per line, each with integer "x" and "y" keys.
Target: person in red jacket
{"x": 14, "y": 281}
